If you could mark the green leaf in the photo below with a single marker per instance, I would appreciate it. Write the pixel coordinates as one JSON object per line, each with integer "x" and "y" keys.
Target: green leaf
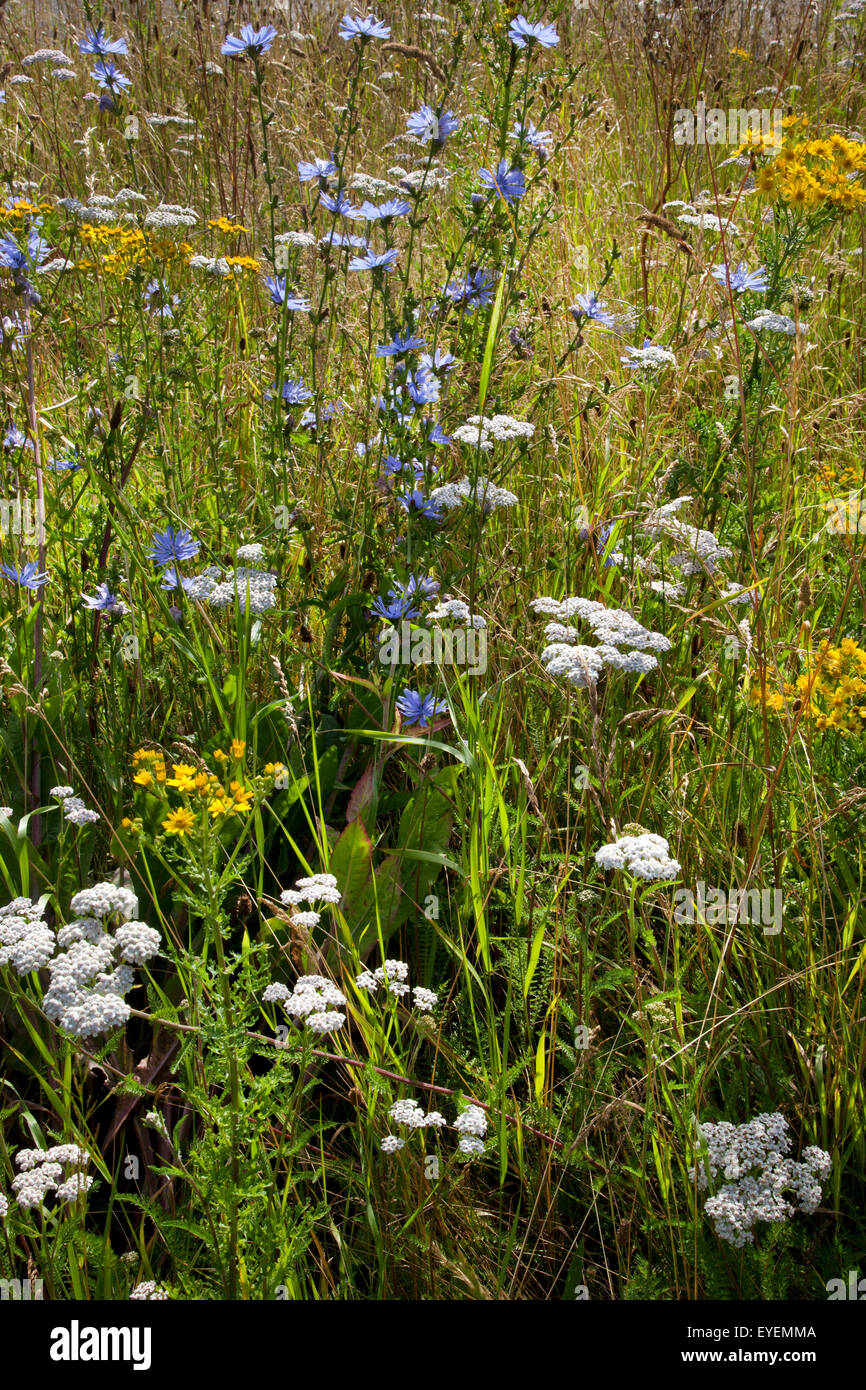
{"x": 490, "y": 345}
{"x": 352, "y": 866}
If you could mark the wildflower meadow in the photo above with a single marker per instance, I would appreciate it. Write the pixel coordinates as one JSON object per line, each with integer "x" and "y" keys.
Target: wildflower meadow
{"x": 432, "y": 653}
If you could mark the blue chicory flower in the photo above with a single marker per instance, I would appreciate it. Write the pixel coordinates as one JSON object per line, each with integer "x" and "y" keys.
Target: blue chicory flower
{"x": 474, "y": 291}
{"x": 27, "y": 577}
{"x": 425, "y": 125}
{"x": 386, "y": 261}
{"x": 316, "y": 168}
{"x": 741, "y": 278}
{"x": 253, "y": 43}
{"x": 418, "y": 709}
{"x": 104, "y": 601}
{"x": 383, "y": 212}
{"x": 340, "y": 204}
{"x": 399, "y": 345}
{"x": 587, "y": 307}
{"x": 95, "y": 42}
{"x": 170, "y": 546}
{"x": 354, "y": 27}
{"x": 171, "y": 580}
{"x": 159, "y": 300}
{"x": 508, "y": 183}
{"x": 525, "y": 35}
{"x": 415, "y": 503}
{"x": 107, "y": 74}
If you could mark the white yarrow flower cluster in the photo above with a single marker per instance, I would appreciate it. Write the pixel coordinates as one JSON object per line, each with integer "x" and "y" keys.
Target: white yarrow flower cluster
{"x": 645, "y": 856}
{"x": 486, "y": 494}
{"x": 74, "y": 809}
{"x": 409, "y": 1112}
{"x": 77, "y": 1186}
{"x": 319, "y": 888}
{"x": 182, "y": 122}
{"x": 150, "y": 1291}
{"x": 105, "y": 900}
{"x": 765, "y": 321}
{"x": 582, "y": 665}
{"x": 136, "y": 942}
{"x": 761, "y": 1183}
{"x": 212, "y": 265}
{"x": 650, "y": 358}
{"x": 314, "y": 1001}
{"x": 254, "y": 552}
{"x": 471, "y": 1125}
{"x": 699, "y": 552}
{"x": 46, "y": 55}
{"x": 482, "y": 431}
{"x": 42, "y": 1172}
{"x": 169, "y": 217}
{"x": 457, "y": 609}
{"x": 253, "y": 589}
{"x": 300, "y": 240}
{"x": 708, "y": 222}
{"x": 393, "y": 975}
{"x": 26, "y": 941}
{"x": 93, "y": 971}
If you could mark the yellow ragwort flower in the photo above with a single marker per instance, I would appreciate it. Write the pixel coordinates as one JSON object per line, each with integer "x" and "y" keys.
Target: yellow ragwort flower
{"x": 179, "y": 822}
{"x": 222, "y": 224}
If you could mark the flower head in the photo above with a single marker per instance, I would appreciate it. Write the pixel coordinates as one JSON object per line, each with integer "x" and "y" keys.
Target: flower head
{"x": 340, "y": 205}
{"x": 107, "y": 75}
{"x": 650, "y": 357}
{"x": 27, "y": 577}
{"x": 587, "y": 307}
{"x": 276, "y": 287}
{"x": 159, "y": 300}
{"x": 296, "y": 393}
{"x": 179, "y": 822}
{"x": 645, "y": 856}
{"x": 15, "y": 438}
{"x": 96, "y": 42}
{"x": 525, "y": 35}
{"x": 416, "y": 504}
{"x": 104, "y": 601}
{"x": 13, "y": 257}
{"x": 400, "y": 344}
{"x": 530, "y": 135}
{"x": 474, "y": 291}
{"x": 425, "y": 125}
{"x": 506, "y": 182}
{"x": 387, "y": 260}
{"x": 253, "y": 43}
{"x": 396, "y": 607}
{"x": 354, "y": 27}
{"x": 172, "y": 580}
{"x": 419, "y": 709}
{"x": 741, "y": 278}
{"x": 172, "y": 546}
{"x": 320, "y": 169}
{"x": 383, "y": 212}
